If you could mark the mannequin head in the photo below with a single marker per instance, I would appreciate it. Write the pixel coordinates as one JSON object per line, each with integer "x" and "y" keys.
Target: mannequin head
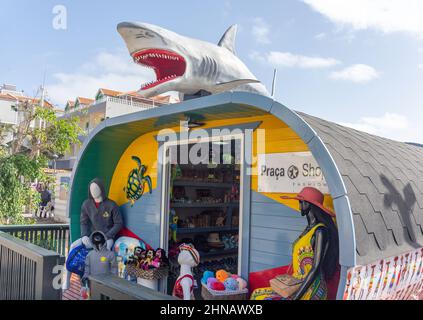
{"x": 95, "y": 191}
{"x": 188, "y": 256}
{"x": 305, "y": 207}
{"x": 98, "y": 240}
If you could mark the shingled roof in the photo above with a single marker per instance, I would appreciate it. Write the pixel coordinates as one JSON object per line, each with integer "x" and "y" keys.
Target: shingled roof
{"x": 384, "y": 181}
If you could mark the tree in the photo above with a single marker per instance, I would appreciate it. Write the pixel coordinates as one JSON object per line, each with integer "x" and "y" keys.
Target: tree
{"x": 38, "y": 137}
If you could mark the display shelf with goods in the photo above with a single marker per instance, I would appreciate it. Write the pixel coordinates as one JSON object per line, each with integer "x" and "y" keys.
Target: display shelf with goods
{"x": 202, "y": 205}
{"x": 206, "y": 230}
{"x": 204, "y": 198}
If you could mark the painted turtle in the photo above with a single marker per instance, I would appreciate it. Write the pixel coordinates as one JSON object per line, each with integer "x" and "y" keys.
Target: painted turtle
{"x": 136, "y": 182}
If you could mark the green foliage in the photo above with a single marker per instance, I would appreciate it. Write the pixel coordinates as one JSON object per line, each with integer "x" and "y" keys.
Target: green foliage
{"x": 58, "y": 136}
{"x": 21, "y": 166}
{"x": 13, "y": 193}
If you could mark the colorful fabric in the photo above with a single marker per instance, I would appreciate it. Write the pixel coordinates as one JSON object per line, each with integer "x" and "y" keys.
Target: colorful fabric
{"x": 302, "y": 263}
{"x": 265, "y": 294}
{"x": 194, "y": 253}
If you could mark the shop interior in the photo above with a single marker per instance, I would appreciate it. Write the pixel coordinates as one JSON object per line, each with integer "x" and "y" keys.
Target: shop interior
{"x": 204, "y": 205}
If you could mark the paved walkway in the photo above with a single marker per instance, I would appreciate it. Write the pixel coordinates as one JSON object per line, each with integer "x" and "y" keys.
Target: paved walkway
{"x": 74, "y": 291}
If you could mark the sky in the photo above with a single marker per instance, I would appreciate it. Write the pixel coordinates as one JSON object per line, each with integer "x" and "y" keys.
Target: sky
{"x": 355, "y": 62}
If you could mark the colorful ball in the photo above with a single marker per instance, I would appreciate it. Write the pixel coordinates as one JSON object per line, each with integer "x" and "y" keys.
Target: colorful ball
{"x": 221, "y": 275}
{"x": 206, "y": 275}
{"x": 231, "y": 284}
{"x": 217, "y": 286}
{"x": 210, "y": 281}
{"x": 235, "y": 276}
{"x": 242, "y": 284}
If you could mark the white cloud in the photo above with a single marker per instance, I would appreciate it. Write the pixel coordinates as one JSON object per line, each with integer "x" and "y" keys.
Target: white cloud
{"x": 114, "y": 71}
{"x": 287, "y": 59}
{"x": 358, "y": 73}
{"x": 320, "y": 36}
{"x": 385, "y": 15}
{"x": 420, "y": 66}
{"x": 390, "y": 125}
{"x": 260, "y": 31}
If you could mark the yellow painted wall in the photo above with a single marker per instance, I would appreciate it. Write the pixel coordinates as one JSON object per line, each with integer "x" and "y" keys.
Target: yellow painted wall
{"x": 279, "y": 138}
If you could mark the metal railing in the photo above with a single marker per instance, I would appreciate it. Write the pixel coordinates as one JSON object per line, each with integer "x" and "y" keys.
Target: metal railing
{"x": 148, "y": 104}
{"x": 53, "y": 237}
{"x": 28, "y": 272}
{"x": 109, "y": 287}
{"x": 142, "y": 103}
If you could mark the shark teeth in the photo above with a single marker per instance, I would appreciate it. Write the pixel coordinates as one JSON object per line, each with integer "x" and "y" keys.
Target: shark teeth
{"x": 158, "y": 81}
{"x": 153, "y": 55}
{"x": 167, "y": 65}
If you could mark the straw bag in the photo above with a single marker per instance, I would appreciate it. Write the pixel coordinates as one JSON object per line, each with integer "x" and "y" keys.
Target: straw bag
{"x": 286, "y": 285}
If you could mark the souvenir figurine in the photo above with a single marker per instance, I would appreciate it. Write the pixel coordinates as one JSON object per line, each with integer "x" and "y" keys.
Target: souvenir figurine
{"x": 148, "y": 259}
{"x": 173, "y": 224}
{"x": 142, "y": 258}
{"x": 220, "y": 221}
{"x": 121, "y": 267}
{"x": 164, "y": 259}
{"x": 160, "y": 259}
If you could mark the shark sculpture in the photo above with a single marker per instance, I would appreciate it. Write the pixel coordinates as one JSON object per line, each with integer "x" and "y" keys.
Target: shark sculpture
{"x": 188, "y": 66}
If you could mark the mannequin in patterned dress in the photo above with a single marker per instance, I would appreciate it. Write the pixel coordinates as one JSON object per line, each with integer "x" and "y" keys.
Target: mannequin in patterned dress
{"x": 316, "y": 251}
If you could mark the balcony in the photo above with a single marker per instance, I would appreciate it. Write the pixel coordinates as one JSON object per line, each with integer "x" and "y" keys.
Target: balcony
{"x": 138, "y": 104}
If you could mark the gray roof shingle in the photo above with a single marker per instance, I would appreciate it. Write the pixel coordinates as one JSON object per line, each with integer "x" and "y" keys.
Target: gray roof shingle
{"x": 384, "y": 181}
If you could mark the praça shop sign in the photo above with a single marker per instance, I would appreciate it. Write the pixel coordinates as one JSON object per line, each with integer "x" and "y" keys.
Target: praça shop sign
{"x": 289, "y": 173}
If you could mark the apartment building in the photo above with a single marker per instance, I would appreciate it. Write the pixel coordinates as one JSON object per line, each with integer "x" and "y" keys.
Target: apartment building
{"x": 106, "y": 104}
{"x": 10, "y": 97}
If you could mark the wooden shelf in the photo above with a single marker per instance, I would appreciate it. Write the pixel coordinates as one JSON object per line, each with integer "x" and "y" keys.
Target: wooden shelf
{"x": 217, "y": 253}
{"x": 202, "y": 184}
{"x": 203, "y": 205}
{"x": 206, "y": 230}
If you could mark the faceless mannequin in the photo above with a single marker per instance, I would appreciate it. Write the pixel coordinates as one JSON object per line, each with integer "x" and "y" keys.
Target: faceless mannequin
{"x": 186, "y": 279}
{"x": 320, "y": 247}
{"x": 187, "y": 263}
{"x": 96, "y": 192}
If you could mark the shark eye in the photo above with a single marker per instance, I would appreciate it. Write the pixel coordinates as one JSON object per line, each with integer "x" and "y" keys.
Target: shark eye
{"x": 167, "y": 65}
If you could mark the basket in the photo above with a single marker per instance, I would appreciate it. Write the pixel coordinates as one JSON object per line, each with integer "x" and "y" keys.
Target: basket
{"x": 151, "y": 274}
{"x": 209, "y": 294}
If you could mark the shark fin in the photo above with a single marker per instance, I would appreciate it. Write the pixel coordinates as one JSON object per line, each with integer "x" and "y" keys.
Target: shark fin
{"x": 228, "y": 39}
{"x": 227, "y": 86}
